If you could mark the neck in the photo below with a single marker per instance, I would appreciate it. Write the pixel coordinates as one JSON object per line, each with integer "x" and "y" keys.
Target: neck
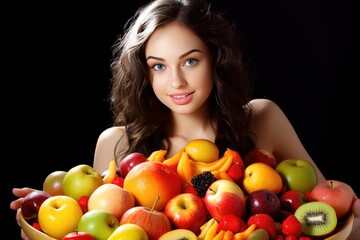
{"x": 192, "y": 126}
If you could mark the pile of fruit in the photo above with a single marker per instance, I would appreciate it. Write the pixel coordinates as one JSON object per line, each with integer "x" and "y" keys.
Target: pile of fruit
{"x": 196, "y": 194}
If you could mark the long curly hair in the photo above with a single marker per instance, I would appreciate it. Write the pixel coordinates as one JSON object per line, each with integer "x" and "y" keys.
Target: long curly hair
{"x": 133, "y": 101}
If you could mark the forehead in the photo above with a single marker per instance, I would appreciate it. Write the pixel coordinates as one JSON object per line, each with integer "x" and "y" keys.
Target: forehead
{"x": 173, "y": 38}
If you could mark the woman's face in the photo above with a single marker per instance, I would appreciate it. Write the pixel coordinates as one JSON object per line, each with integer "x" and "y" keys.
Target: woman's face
{"x": 180, "y": 68}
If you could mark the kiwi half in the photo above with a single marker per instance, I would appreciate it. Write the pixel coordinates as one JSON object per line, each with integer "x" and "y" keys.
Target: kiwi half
{"x": 317, "y": 218}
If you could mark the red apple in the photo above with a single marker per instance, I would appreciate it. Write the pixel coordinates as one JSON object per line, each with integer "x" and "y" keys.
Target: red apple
{"x": 32, "y": 202}
{"x": 260, "y": 155}
{"x": 336, "y": 193}
{"x": 155, "y": 223}
{"x": 186, "y": 211}
{"x": 225, "y": 197}
{"x": 263, "y": 201}
{"x": 129, "y": 161}
{"x": 292, "y": 199}
{"x": 78, "y": 236}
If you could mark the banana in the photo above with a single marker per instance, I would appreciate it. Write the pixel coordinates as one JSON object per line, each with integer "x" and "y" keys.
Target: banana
{"x": 222, "y": 175}
{"x": 245, "y": 234}
{"x": 157, "y": 156}
{"x": 111, "y": 173}
{"x": 228, "y": 235}
{"x": 174, "y": 159}
{"x": 219, "y": 235}
{"x": 227, "y": 164}
{"x": 200, "y": 167}
{"x": 212, "y": 231}
{"x": 205, "y": 228}
{"x": 184, "y": 169}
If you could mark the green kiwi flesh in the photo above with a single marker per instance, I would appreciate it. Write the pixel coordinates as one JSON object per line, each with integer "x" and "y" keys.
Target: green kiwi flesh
{"x": 317, "y": 218}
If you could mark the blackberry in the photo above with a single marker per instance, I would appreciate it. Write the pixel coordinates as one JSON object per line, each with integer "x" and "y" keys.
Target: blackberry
{"x": 202, "y": 182}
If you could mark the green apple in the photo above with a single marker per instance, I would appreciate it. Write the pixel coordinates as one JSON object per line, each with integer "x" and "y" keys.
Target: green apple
{"x": 99, "y": 223}
{"x": 81, "y": 180}
{"x": 129, "y": 231}
{"x": 59, "y": 215}
{"x": 111, "y": 198}
{"x": 297, "y": 174}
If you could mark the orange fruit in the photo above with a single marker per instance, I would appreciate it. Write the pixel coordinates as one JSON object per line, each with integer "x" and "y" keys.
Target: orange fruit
{"x": 149, "y": 179}
{"x": 261, "y": 176}
{"x": 202, "y": 150}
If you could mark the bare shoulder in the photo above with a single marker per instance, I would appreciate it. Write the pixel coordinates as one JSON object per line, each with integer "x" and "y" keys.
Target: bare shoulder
{"x": 111, "y": 133}
{"x": 105, "y": 147}
{"x": 261, "y": 106}
{"x": 268, "y": 122}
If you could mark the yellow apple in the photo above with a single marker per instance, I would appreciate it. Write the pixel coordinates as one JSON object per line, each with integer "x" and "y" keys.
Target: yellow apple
{"x": 129, "y": 231}
{"x": 111, "y": 198}
{"x": 261, "y": 176}
{"x": 59, "y": 215}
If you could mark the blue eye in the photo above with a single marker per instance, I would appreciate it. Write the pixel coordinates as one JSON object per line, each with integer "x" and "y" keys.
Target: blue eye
{"x": 190, "y": 62}
{"x": 158, "y": 67}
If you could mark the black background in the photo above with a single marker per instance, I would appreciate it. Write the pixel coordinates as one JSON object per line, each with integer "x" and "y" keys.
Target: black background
{"x": 55, "y": 78}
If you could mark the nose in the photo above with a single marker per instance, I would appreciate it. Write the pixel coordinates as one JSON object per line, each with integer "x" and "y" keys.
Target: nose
{"x": 177, "y": 78}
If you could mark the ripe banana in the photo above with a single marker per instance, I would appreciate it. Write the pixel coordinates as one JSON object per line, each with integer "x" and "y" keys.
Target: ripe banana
{"x": 157, "y": 156}
{"x": 219, "y": 235}
{"x": 174, "y": 159}
{"x": 184, "y": 169}
{"x": 245, "y": 234}
{"x": 200, "y": 167}
{"x": 212, "y": 231}
{"x": 205, "y": 228}
{"x": 228, "y": 235}
{"x": 222, "y": 175}
{"x": 111, "y": 173}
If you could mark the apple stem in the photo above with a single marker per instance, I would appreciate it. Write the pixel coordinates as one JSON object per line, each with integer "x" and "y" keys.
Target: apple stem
{"x": 156, "y": 200}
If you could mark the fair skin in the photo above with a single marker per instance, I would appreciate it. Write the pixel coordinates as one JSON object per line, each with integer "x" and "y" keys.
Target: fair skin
{"x": 180, "y": 65}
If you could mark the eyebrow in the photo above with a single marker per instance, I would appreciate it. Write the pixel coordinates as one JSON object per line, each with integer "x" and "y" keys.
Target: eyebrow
{"x": 181, "y": 56}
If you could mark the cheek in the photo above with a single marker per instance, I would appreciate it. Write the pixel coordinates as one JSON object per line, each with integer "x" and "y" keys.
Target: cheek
{"x": 157, "y": 86}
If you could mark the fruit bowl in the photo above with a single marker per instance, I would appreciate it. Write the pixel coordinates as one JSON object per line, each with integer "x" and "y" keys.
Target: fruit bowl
{"x": 31, "y": 232}
{"x": 342, "y": 232}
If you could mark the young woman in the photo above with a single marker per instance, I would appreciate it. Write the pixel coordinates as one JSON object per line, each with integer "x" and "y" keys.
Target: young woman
{"x": 178, "y": 75}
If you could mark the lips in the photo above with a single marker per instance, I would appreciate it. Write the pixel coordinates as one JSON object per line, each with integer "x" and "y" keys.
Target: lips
{"x": 182, "y": 98}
